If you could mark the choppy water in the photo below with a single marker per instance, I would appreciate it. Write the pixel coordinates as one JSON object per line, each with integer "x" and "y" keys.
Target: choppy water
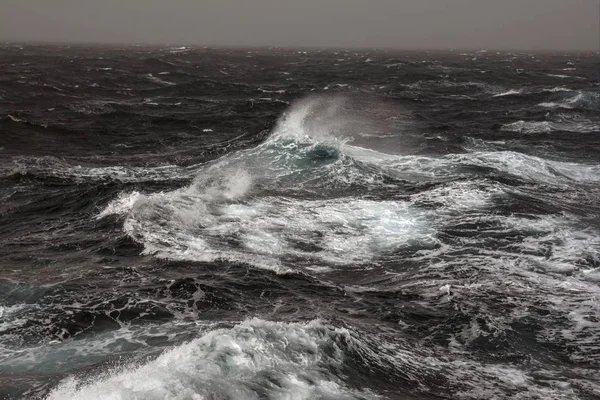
{"x": 189, "y": 223}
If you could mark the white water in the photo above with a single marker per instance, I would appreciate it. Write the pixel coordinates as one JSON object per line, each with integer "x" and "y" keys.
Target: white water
{"x": 242, "y": 207}
{"x": 255, "y": 359}
{"x": 262, "y": 359}
{"x": 548, "y": 126}
{"x": 269, "y": 207}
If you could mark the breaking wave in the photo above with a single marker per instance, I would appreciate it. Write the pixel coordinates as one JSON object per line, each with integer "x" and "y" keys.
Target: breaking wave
{"x": 551, "y": 126}
{"x": 584, "y": 100}
{"x": 258, "y": 205}
{"x": 253, "y": 360}
{"x": 259, "y": 359}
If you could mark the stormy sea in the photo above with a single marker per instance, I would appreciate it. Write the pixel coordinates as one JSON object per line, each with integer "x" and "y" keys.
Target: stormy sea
{"x": 200, "y": 223}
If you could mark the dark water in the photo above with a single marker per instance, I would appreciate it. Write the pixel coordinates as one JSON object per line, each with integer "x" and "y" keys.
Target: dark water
{"x": 185, "y": 223}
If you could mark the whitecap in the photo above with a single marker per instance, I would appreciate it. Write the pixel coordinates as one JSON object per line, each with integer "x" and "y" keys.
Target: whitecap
{"x": 190, "y": 224}
{"x": 255, "y": 359}
{"x": 459, "y": 197}
{"x": 121, "y": 205}
{"x": 529, "y": 127}
{"x": 15, "y": 119}
{"x": 557, "y": 89}
{"x": 580, "y": 99}
{"x": 533, "y": 168}
{"x": 279, "y": 91}
{"x": 52, "y": 167}
{"x": 251, "y": 206}
{"x": 158, "y": 80}
{"x": 511, "y": 92}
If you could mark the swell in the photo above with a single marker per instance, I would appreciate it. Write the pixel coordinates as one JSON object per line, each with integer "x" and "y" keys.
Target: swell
{"x": 306, "y": 195}
{"x": 258, "y": 358}
{"x": 442, "y": 267}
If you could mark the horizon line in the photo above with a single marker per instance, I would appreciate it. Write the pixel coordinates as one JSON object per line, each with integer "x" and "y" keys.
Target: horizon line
{"x": 289, "y": 47}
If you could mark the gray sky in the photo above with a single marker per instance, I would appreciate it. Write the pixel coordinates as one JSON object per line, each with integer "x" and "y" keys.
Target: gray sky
{"x": 489, "y": 24}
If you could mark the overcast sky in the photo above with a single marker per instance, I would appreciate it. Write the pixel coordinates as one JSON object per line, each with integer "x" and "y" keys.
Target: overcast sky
{"x": 442, "y": 24}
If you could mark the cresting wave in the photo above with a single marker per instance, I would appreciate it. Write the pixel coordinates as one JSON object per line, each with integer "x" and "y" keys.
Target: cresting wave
{"x": 51, "y": 167}
{"x": 258, "y": 359}
{"x": 432, "y": 223}
{"x": 253, "y": 360}
{"x": 283, "y": 206}
{"x": 528, "y": 127}
{"x": 584, "y": 100}
{"x": 310, "y": 195}
{"x": 310, "y": 198}
{"x": 257, "y": 205}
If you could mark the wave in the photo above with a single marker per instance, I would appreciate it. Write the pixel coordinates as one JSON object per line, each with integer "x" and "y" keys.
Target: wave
{"x": 18, "y": 120}
{"x": 511, "y": 92}
{"x": 452, "y": 166}
{"x": 158, "y": 80}
{"x": 242, "y": 207}
{"x": 531, "y": 168}
{"x": 579, "y": 100}
{"x": 529, "y": 127}
{"x": 54, "y": 355}
{"x": 563, "y": 76}
{"x": 435, "y": 85}
{"x": 53, "y": 168}
{"x": 255, "y": 359}
{"x": 557, "y": 89}
{"x": 560, "y": 97}
{"x": 306, "y": 195}
{"x": 266, "y": 231}
{"x": 549, "y": 126}
{"x": 552, "y": 261}
{"x": 263, "y": 359}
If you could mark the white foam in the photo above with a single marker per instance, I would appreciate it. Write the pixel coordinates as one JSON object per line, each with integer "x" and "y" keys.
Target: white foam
{"x": 525, "y": 166}
{"x": 158, "y": 80}
{"x": 120, "y": 206}
{"x": 567, "y": 124}
{"x": 280, "y": 91}
{"x": 53, "y": 355}
{"x": 50, "y": 166}
{"x": 130, "y": 174}
{"x": 529, "y": 127}
{"x": 14, "y": 119}
{"x": 255, "y": 359}
{"x": 551, "y": 263}
{"x": 553, "y": 104}
{"x": 177, "y": 50}
{"x": 242, "y": 207}
{"x": 579, "y": 99}
{"x": 557, "y": 89}
{"x": 511, "y": 92}
{"x": 458, "y": 197}
{"x": 532, "y": 168}
{"x": 263, "y": 231}
{"x": 12, "y": 316}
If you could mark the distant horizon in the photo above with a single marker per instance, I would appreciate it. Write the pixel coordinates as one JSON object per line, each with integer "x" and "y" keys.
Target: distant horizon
{"x": 510, "y": 25}
{"x": 287, "y": 47}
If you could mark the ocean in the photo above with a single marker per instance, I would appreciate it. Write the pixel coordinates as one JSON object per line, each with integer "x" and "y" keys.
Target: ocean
{"x": 202, "y": 223}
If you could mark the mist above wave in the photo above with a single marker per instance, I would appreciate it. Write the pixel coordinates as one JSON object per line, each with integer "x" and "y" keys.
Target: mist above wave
{"x": 311, "y": 194}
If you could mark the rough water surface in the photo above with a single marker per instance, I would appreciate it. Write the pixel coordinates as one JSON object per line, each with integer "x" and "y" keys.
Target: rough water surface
{"x": 194, "y": 223}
